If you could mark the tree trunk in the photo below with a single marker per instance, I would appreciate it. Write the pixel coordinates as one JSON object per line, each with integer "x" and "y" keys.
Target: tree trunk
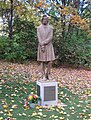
{"x": 11, "y": 20}
{"x": 63, "y": 20}
{"x": 68, "y": 3}
{"x": 63, "y": 2}
{"x": 76, "y": 3}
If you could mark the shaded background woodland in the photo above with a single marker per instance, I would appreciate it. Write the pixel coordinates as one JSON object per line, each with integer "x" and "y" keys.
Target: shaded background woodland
{"x": 71, "y": 20}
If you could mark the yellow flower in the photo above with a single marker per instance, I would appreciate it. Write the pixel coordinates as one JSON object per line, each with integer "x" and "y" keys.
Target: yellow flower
{"x": 30, "y": 97}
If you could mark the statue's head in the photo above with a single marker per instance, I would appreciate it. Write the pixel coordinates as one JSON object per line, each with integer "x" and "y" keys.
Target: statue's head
{"x": 44, "y": 20}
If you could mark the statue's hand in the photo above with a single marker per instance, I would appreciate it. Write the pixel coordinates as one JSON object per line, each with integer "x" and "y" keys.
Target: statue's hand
{"x": 43, "y": 48}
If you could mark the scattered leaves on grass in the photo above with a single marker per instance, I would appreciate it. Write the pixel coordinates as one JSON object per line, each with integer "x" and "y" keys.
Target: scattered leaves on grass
{"x": 18, "y": 80}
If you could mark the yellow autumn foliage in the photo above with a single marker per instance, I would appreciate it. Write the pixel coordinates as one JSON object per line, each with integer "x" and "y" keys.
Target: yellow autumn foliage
{"x": 65, "y": 11}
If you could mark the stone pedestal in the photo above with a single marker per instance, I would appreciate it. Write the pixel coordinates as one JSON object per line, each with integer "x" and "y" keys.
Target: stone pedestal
{"x": 48, "y": 91}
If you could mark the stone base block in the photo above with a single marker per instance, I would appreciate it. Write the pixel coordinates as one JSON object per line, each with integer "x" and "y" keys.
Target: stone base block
{"x": 48, "y": 91}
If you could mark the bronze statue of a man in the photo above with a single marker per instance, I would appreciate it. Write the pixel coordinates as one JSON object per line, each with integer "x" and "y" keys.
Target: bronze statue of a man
{"x": 45, "y": 52}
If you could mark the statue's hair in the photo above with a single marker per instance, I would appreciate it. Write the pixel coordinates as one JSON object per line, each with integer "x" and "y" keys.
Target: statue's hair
{"x": 43, "y": 17}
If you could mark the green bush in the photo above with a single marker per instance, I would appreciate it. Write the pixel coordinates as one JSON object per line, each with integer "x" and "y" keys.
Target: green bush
{"x": 74, "y": 49}
{"x": 25, "y": 35}
{"x": 23, "y": 45}
{"x": 4, "y": 46}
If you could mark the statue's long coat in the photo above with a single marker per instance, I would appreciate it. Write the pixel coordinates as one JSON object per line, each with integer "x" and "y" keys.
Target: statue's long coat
{"x": 45, "y": 35}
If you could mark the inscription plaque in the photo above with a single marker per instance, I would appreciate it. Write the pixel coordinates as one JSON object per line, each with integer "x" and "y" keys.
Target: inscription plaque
{"x": 49, "y": 93}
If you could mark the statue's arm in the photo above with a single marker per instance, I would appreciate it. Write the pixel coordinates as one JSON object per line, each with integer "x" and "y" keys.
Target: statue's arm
{"x": 39, "y": 37}
{"x": 49, "y": 38}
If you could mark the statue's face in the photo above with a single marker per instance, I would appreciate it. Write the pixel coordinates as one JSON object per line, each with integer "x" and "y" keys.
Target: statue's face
{"x": 45, "y": 20}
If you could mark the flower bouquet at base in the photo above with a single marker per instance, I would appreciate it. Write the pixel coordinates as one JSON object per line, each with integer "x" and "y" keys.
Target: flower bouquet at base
{"x": 33, "y": 100}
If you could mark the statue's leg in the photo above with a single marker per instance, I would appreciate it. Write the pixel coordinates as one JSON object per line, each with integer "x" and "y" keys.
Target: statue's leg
{"x": 42, "y": 69}
{"x": 48, "y": 69}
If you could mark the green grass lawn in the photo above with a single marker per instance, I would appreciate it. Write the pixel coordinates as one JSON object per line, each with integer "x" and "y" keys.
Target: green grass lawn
{"x": 13, "y": 94}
